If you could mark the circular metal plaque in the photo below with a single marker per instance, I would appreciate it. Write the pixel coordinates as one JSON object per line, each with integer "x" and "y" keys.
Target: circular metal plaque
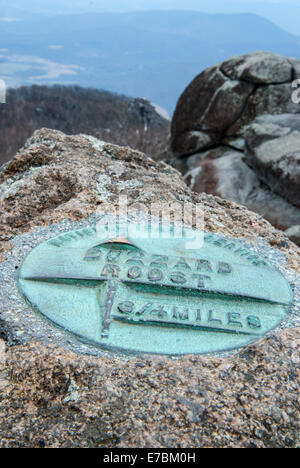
{"x": 154, "y": 293}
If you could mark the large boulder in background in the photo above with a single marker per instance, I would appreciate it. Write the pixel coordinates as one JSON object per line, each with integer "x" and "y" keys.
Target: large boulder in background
{"x": 224, "y": 99}
{"x": 236, "y": 134}
{"x": 273, "y": 151}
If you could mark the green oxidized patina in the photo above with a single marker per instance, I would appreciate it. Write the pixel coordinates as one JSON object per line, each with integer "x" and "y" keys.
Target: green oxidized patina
{"x": 151, "y": 294}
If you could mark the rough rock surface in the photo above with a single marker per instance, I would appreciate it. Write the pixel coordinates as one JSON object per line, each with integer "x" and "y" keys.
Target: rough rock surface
{"x": 224, "y": 99}
{"x": 273, "y": 151}
{"x": 230, "y": 177}
{"x": 57, "y": 398}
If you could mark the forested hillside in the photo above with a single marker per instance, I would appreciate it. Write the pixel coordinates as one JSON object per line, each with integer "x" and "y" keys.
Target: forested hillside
{"x": 72, "y": 109}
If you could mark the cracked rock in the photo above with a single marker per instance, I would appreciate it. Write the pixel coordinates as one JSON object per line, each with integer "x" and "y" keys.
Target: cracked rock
{"x": 224, "y": 99}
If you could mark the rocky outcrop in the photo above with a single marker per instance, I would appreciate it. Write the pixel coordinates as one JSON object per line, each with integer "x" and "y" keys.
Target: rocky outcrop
{"x": 265, "y": 177}
{"x": 51, "y": 396}
{"x": 56, "y": 176}
{"x": 273, "y": 151}
{"x": 220, "y": 102}
{"x": 243, "y": 146}
{"x": 231, "y": 178}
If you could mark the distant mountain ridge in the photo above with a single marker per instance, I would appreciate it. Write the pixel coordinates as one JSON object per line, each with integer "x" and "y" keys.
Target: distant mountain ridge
{"x": 203, "y": 26}
{"x": 284, "y": 13}
{"x": 149, "y": 54}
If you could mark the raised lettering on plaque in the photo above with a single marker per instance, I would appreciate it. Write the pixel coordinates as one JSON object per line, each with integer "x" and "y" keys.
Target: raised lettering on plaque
{"x": 154, "y": 295}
